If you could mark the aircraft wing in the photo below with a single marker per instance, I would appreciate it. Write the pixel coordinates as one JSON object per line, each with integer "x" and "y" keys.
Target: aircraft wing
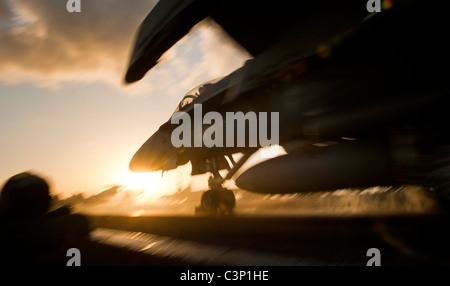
{"x": 167, "y": 23}
{"x": 255, "y": 25}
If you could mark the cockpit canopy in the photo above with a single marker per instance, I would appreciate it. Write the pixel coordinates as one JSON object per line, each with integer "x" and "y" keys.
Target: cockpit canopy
{"x": 194, "y": 93}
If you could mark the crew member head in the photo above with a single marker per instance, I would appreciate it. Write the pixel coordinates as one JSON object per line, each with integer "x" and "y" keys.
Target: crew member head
{"x": 25, "y": 195}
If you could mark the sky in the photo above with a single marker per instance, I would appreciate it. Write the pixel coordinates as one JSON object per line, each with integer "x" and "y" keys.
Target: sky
{"x": 65, "y": 112}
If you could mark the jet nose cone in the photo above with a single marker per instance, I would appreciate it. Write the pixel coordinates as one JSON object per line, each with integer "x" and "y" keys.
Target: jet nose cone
{"x": 141, "y": 162}
{"x": 150, "y": 157}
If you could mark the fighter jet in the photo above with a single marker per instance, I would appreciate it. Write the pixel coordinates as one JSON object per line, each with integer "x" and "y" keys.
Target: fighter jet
{"x": 361, "y": 97}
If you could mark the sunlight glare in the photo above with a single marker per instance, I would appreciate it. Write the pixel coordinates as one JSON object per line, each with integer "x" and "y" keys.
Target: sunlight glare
{"x": 148, "y": 182}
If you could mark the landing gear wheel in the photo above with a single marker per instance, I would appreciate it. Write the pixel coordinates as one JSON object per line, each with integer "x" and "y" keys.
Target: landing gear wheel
{"x": 217, "y": 202}
{"x": 210, "y": 202}
{"x": 227, "y": 202}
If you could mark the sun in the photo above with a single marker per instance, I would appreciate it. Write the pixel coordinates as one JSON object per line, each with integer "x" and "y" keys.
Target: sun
{"x": 141, "y": 181}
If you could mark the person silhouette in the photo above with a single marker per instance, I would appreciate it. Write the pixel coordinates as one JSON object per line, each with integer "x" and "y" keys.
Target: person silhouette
{"x": 24, "y": 196}
{"x": 29, "y": 233}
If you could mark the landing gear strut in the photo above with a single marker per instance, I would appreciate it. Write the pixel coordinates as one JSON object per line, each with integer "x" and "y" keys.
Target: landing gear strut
{"x": 219, "y": 200}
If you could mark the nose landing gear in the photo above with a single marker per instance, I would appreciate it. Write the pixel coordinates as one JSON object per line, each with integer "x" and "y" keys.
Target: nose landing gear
{"x": 217, "y": 200}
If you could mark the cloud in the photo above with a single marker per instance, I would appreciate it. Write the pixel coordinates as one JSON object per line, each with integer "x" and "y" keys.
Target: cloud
{"x": 44, "y": 43}
{"x": 5, "y": 12}
{"x": 221, "y": 54}
{"x": 206, "y": 53}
